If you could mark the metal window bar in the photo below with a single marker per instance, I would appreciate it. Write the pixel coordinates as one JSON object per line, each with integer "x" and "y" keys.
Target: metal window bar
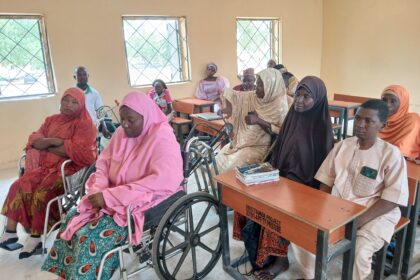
{"x": 257, "y": 59}
{"x": 43, "y": 50}
{"x": 173, "y": 42}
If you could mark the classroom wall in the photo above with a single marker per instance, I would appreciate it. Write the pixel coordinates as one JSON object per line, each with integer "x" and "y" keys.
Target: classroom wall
{"x": 369, "y": 44}
{"x": 89, "y": 33}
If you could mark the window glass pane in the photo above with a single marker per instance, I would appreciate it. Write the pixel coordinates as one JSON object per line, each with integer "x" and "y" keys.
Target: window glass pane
{"x": 24, "y": 70}
{"x": 154, "y": 50}
{"x": 254, "y": 38}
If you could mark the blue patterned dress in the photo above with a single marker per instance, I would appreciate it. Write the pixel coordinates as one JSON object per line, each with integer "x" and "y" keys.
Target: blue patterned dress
{"x": 80, "y": 257}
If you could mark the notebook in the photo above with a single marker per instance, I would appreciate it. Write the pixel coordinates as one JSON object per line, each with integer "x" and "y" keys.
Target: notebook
{"x": 209, "y": 116}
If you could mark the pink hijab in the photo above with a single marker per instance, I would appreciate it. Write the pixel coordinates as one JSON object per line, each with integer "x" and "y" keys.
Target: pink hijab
{"x": 140, "y": 172}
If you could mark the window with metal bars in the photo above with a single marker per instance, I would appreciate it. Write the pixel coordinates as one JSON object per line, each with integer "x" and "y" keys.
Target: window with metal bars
{"x": 156, "y": 48}
{"x": 257, "y": 41}
{"x": 25, "y": 63}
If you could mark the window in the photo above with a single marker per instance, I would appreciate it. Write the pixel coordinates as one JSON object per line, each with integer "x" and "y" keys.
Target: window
{"x": 156, "y": 48}
{"x": 257, "y": 40}
{"x": 25, "y": 65}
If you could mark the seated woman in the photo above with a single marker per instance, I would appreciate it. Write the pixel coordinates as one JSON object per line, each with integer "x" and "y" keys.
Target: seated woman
{"x": 141, "y": 167}
{"x": 160, "y": 95}
{"x": 303, "y": 143}
{"x": 402, "y": 128}
{"x": 68, "y": 135}
{"x": 211, "y": 87}
{"x": 255, "y": 115}
{"x": 248, "y": 81}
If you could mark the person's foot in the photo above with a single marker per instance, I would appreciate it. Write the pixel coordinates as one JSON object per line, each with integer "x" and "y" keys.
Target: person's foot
{"x": 8, "y": 237}
{"x": 270, "y": 272}
{"x": 30, "y": 247}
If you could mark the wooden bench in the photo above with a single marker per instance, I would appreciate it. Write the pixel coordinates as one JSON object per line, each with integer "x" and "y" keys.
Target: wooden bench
{"x": 401, "y": 233}
{"x": 351, "y": 98}
{"x": 337, "y": 125}
{"x": 346, "y": 109}
{"x": 182, "y": 118}
{"x": 198, "y": 105}
{"x": 210, "y": 127}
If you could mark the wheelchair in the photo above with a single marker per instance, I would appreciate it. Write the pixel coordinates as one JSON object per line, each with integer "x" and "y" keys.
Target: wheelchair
{"x": 73, "y": 186}
{"x": 108, "y": 118}
{"x": 181, "y": 235}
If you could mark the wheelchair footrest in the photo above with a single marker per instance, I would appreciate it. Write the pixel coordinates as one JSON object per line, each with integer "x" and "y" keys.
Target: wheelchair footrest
{"x": 39, "y": 251}
{"x": 144, "y": 256}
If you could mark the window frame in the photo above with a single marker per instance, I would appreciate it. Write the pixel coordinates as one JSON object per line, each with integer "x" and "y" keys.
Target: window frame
{"x": 183, "y": 51}
{"x": 48, "y": 65}
{"x": 276, "y": 35}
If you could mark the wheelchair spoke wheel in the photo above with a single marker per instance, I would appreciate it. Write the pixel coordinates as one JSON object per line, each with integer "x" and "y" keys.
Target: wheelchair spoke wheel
{"x": 187, "y": 243}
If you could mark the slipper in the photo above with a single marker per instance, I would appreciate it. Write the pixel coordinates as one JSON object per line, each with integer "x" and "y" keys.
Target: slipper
{"x": 9, "y": 241}
{"x": 35, "y": 251}
{"x": 10, "y": 244}
{"x": 265, "y": 275}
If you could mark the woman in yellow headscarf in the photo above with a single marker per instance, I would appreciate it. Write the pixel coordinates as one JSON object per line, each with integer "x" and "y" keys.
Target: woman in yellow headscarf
{"x": 255, "y": 116}
{"x": 403, "y": 128}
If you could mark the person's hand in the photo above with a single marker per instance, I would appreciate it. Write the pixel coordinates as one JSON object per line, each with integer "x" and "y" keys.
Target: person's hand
{"x": 252, "y": 118}
{"x": 45, "y": 143}
{"x": 97, "y": 200}
{"x": 55, "y": 142}
{"x": 104, "y": 130}
{"x": 227, "y": 111}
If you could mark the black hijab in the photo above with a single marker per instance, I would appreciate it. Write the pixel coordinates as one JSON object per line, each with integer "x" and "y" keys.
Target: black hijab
{"x": 305, "y": 138}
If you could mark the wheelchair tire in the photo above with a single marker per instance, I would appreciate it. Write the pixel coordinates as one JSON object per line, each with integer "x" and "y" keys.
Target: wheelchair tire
{"x": 183, "y": 238}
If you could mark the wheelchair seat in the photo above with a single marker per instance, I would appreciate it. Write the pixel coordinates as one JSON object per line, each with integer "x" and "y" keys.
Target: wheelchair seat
{"x": 153, "y": 216}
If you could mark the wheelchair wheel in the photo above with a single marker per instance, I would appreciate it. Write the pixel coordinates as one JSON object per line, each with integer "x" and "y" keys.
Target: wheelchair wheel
{"x": 187, "y": 243}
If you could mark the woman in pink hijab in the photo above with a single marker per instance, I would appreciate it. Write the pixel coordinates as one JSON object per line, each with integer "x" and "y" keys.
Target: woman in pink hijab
{"x": 141, "y": 167}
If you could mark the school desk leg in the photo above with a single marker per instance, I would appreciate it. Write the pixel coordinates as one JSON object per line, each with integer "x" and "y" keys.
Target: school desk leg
{"x": 348, "y": 256}
{"x": 406, "y": 271}
{"x": 321, "y": 255}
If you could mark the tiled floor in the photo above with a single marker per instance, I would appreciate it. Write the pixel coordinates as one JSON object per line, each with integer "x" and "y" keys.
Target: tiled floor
{"x": 13, "y": 268}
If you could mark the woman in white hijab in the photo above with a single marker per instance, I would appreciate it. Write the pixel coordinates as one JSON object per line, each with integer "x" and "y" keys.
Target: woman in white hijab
{"x": 255, "y": 116}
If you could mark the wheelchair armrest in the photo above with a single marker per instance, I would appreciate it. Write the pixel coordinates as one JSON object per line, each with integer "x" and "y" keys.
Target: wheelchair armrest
{"x": 21, "y": 167}
{"x": 153, "y": 215}
{"x": 63, "y": 174}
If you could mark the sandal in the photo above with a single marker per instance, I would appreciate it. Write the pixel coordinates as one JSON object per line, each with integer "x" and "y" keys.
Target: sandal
{"x": 6, "y": 243}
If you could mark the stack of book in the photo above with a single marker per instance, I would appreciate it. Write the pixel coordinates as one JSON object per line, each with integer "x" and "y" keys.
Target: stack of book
{"x": 257, "y": 173}
{"x": 208, "y": 116}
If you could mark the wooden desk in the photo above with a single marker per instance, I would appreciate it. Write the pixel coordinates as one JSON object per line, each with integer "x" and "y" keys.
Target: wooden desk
{"x": 408, "y": 268}
{"x": 198, "y": 105}
{"x": 203, "y": 125}
{"x": 348, "y": 110}
{"x": 312, "y": 219}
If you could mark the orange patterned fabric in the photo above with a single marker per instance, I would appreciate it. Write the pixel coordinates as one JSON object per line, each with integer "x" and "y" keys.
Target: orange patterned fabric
{"x": 28, "y": 196}
{"x": 270, "y": 244}
{"x": 403, "y": 128}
